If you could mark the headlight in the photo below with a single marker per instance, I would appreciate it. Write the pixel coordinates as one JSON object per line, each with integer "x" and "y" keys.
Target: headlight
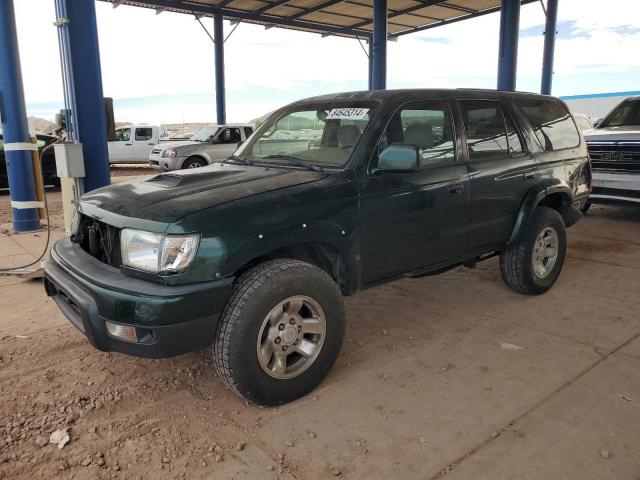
{"x": 169, "y": 153}
{"x": 153, "y": 252}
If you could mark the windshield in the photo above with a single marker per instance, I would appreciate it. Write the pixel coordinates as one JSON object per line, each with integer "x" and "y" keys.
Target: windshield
{"x": 204, "y": 134}
{"x": 627, "y": 113}
{"x": 320, "y": 134}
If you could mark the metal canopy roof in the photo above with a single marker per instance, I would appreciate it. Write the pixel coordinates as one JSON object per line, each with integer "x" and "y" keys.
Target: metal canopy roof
{"x": 348, "y": 18}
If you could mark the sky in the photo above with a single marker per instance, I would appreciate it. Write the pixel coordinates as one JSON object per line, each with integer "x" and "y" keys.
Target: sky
{"x": 160, "y": 68}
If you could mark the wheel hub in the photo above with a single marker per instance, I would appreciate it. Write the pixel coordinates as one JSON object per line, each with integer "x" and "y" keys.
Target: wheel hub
{"x": 545, "y": 252}
{"x": 291, "y": 337}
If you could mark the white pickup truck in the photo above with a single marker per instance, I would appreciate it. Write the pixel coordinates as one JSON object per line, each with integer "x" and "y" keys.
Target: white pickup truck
{"x": 133, "y": 143}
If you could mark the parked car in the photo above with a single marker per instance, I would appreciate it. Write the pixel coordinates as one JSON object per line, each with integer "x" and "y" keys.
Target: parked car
{"x": 252, "y": 256}
{"x": 133, "y": 143}
{"x": 209, "y": 145}
{"x": 614, "y": 148}
{"x": 47, "y": 160}
{"x": 583, "y": 121}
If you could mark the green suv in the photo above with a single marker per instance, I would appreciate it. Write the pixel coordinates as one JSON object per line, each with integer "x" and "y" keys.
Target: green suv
{"x": 331, "y": 195}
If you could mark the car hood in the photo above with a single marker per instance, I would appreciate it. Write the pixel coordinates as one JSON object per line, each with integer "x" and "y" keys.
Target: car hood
{"x": 167, "y": 197}
{"x": 178, "y": 143}
{"x": 613, "y": 134}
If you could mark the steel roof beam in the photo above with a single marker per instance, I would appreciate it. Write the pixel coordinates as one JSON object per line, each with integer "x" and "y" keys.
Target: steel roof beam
{"x": 440, "y": 23}
{"x": 270, "y": 5}
{"x": 195, "y": 7}
{"x": 309, "y": 10}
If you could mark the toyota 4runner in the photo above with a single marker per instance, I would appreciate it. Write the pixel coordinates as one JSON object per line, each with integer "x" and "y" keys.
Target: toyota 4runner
{"x": 331, "y": 195}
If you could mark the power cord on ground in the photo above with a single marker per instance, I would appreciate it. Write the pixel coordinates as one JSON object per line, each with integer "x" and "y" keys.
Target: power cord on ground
{"x": 19, "y": 270}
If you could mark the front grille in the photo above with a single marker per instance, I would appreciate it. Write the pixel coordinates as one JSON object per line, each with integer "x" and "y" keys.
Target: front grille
{"x": 616, "y": 192}
{"x": 615, "y": 156}
{"x": 100, "y": 240}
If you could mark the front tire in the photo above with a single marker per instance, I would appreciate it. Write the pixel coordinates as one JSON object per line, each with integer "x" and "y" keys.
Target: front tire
{"x": 533, "y": 264}
{"x": 280, "y": 332}
{"x": 194, "y": 162}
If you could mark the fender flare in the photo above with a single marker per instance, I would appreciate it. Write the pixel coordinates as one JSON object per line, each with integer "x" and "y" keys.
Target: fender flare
{"x": 345, "y": 245}
{"x": 531, "y": 201}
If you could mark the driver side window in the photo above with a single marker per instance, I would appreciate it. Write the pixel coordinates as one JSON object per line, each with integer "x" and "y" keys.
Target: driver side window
{"x": 427, "y": 126}
{"x": 123, "y": 135}
{"x": 230, "y": 135}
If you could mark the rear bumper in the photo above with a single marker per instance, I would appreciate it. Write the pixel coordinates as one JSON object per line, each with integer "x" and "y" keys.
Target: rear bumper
{"x": 611, "y": 187}
{"x": 169, "y": 320}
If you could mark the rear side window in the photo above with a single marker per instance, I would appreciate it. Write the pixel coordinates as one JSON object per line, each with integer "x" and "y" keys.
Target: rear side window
{"x": 489, "y": 135}
{"x": 551, "y": 122}
{"x": 143, "y": 134}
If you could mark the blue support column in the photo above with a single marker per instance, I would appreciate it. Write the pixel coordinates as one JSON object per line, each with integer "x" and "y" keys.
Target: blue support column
{"x": 370, "y": 62}
{"x": 15, "y": 130}
{"x": 81, "y": 69}
{"x": 508, "y": 56}
{"x": 379, "y": 46}
{"x": 218, "y": 37}
{"x": 549, "y": 46}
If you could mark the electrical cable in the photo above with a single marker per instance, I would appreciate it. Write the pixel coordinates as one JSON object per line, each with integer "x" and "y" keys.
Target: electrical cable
{"x": 16, "y": 270}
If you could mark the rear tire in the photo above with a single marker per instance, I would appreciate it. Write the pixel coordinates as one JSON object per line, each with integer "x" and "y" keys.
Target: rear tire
{"x": 194, "y": 162}
{"x": 269, "y": 326}
{"x": 533, "y": 264}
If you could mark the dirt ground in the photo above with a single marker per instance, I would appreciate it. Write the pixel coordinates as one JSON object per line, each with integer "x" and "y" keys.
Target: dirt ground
{"x": 449, "y": 376}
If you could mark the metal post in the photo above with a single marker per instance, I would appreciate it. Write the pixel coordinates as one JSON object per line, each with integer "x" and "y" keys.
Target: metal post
{"x": 15, "y": 129}
{"x": 549, "y": 46}
{"x": 370, "y": 62}
{"x": 81, "y": 57}
{"x": 218, "y": 37}
{"x": 379, "y": 46}
{"x": 508, "y": 56}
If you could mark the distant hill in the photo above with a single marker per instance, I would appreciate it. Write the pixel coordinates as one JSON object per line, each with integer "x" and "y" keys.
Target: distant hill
{"x": 40, "y": 125}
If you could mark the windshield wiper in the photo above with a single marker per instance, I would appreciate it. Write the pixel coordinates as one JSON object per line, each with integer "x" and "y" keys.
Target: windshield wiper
{"x": 244, "y": 161}
{"x": 297, "y": 161}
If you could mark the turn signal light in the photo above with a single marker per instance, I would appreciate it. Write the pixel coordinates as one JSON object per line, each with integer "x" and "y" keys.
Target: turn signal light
{"x": 122, "y": 332}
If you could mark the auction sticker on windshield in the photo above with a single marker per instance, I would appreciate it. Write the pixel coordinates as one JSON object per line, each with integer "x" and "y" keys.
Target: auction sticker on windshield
{"x": 347, "y": 114}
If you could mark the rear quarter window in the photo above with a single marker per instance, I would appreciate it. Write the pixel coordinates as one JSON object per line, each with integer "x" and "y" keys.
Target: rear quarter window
{"x": 551, "y": 122}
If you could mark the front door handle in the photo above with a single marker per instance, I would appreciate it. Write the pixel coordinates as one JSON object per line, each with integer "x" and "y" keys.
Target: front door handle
{"x": 530, "y": 175}
{"x": 456, "y": 189}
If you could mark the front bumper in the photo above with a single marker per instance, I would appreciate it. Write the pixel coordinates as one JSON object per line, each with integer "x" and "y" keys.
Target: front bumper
{"x": 609, "y": 187}
{"x": 166, "y": 164}
{"x": 169, "y": 320}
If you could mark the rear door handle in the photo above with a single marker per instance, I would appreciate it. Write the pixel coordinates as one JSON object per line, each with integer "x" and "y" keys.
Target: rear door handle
{"x": 456, "y": 189}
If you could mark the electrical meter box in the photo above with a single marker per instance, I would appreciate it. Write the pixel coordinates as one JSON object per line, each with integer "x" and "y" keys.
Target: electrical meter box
{"x": 69, "y": 160}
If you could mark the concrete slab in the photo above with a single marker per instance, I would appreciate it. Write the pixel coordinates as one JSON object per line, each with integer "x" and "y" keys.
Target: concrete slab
{"x": 632, "y": 349}
{"x": 585, "y": 431}
{"x": 423, "y": 400}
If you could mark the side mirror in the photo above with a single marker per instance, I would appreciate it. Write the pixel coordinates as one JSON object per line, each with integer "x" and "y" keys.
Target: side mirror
{"x": 399, "y": 156}
{"x": 239, "y": 143}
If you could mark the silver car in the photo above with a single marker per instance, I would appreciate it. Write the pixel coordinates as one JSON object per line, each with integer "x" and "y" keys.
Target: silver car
{"x": 209, "y": 145}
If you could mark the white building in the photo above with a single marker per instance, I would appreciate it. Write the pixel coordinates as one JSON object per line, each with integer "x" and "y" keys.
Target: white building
{"x": 596, "y": 105}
